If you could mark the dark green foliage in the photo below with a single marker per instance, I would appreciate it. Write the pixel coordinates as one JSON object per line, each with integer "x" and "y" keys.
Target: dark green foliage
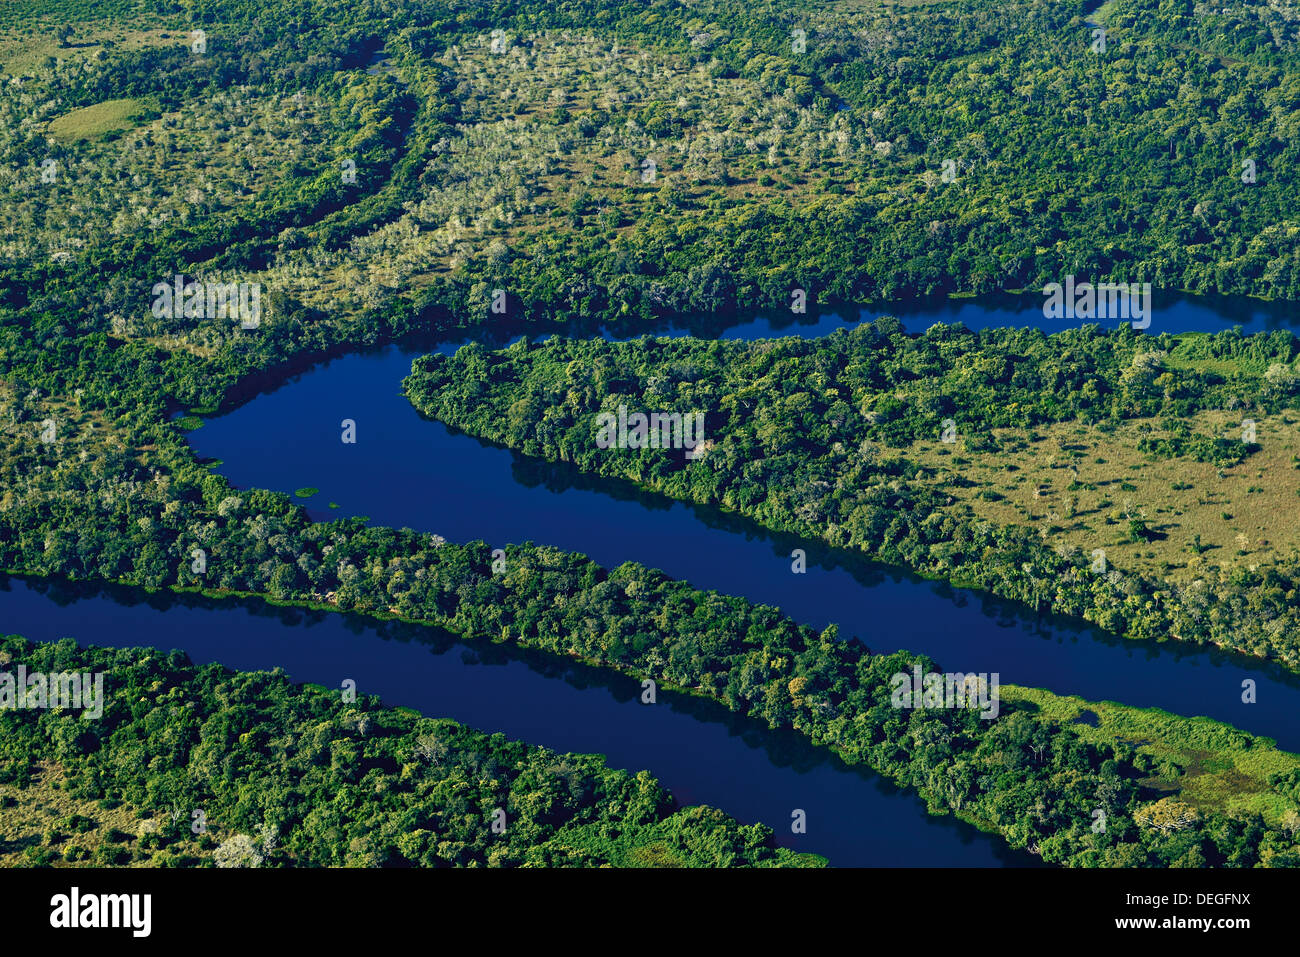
{"x": 804, "y": 430}
{"x": 1122, "y": 168}
{"x": 347, "y": 784}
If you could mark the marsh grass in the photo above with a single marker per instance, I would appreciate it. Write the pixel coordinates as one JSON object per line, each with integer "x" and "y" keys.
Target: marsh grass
{"x": 1208, "y": 764}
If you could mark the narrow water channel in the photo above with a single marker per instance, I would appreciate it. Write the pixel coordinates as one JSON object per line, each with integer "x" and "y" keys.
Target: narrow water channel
{"x": 405, "y": 471}
{"x": 701, "y": 752}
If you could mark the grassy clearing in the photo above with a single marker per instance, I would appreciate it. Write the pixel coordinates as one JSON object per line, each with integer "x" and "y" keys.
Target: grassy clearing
{"x": 23, "y": 50}
{"x": 43, "y": 818}
{"x": 92, "y": 121}
{"x": 1102, "y": 12}
{"x": 1081, "y": 485}
{"x": 1208, "y": 764}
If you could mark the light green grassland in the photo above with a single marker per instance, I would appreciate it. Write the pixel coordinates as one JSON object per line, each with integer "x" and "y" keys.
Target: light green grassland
{"x": 24, "y": 48}
{"x": 1080, "y": 484}
{"x": 91, "y": 121}
{"x": 1208, "y": 764}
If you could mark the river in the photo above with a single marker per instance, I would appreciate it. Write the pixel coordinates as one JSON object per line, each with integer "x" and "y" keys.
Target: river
{"x": 406, "y": 471}
{"x": 701, "y": 752}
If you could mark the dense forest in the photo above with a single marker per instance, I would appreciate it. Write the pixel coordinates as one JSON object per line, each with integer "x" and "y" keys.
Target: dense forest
{"x": 864, "y": 153}
{"x": 838, "y": 439}
{"x": 1035, "y": 782}
{"x": 284, "y": 775}
{"x": 596, "y": 162}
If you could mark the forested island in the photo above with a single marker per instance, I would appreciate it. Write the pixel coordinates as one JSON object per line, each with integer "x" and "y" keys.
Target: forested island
{"x": 1101, "y": 475}
{"x": 193, "y": 766}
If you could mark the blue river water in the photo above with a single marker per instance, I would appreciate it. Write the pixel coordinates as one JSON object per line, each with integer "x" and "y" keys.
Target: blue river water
{"x": 407, "y": 471}
{"x": 1171, "y": 314}
{"x": 700, "y": 751}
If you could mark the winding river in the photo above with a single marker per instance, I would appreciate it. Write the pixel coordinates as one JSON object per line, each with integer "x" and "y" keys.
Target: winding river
{"x": 406, "y": 471}
{"x": 701, "y": 752}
